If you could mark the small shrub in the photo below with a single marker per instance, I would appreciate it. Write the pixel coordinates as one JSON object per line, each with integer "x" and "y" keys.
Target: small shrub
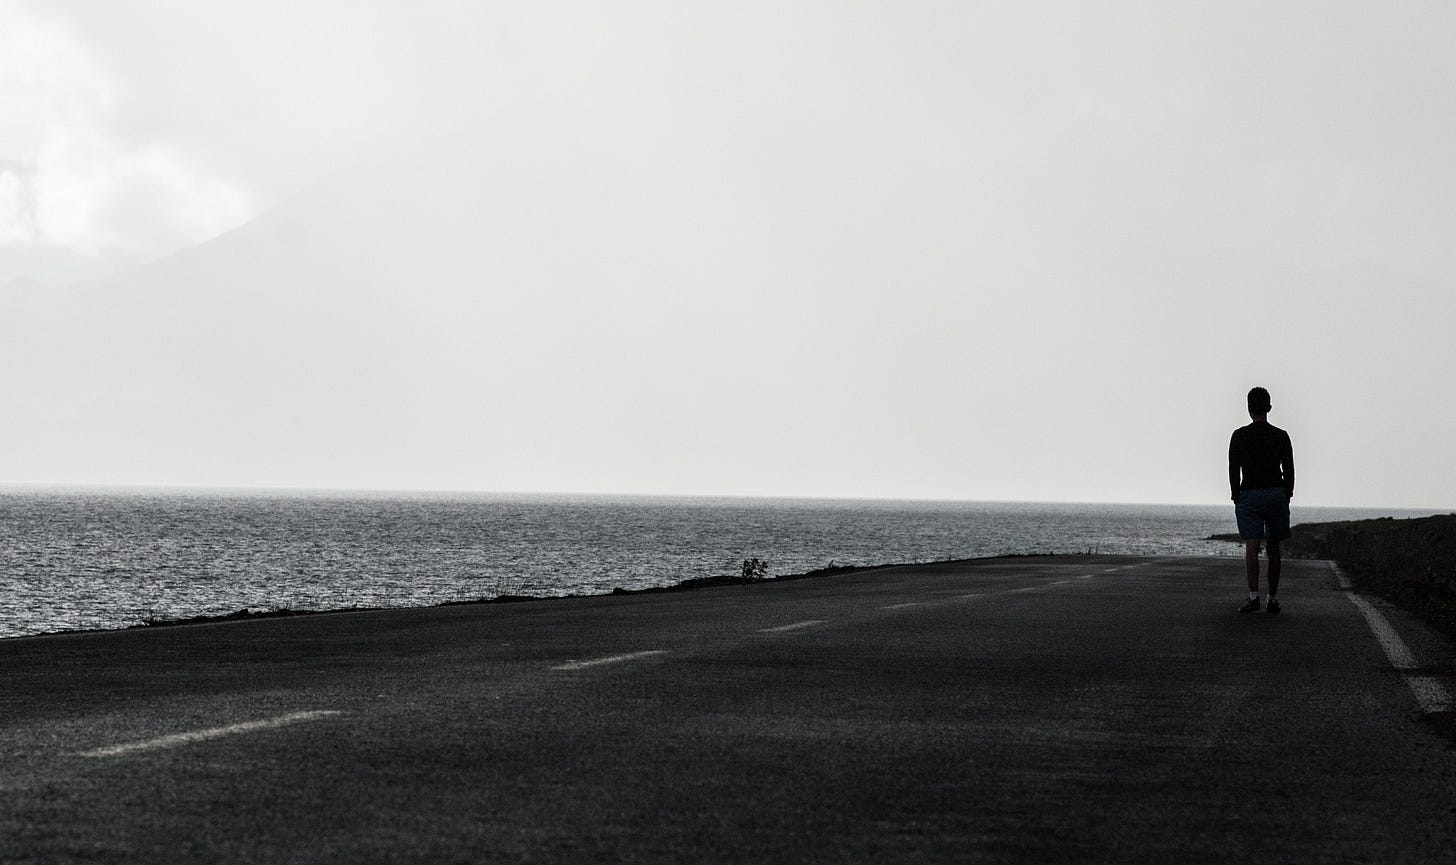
{"x": 755, "y": 569}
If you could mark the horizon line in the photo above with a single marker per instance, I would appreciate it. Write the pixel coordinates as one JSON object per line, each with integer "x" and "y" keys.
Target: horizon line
{"x": 321, "y": 491}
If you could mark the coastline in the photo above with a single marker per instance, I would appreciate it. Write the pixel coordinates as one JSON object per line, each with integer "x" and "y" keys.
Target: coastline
{"x": 1410, "y": 562}
{"x": 106, "y": 562}
{"x": 691, "y": 584}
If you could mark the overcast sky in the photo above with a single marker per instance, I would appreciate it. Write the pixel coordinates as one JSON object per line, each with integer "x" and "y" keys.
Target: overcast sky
{"x": 1029, "y": 251}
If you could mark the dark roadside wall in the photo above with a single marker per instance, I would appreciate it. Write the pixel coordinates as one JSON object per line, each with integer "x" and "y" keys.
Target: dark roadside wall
{"x": 1410, "y": 562}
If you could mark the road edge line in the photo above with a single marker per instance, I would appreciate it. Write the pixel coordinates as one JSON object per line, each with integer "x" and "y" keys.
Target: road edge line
{"x": 1429, "y": 692}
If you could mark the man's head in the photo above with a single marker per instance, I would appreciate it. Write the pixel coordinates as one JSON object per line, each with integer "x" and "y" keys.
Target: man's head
{"x": 1259, "y": 404}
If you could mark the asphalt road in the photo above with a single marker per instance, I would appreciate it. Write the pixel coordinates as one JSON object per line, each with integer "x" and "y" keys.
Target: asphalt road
{"x": 1061, "y": 709}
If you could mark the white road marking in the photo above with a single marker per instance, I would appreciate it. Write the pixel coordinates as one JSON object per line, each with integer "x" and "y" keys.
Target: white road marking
{"x": 1019, "y": 591}
{"x": 1038, "y": 587}
{"x": 610, "y": 659}
{"x": 807, "y": 623}
{"x": 1428, "y": 690}
{"x": 901, "y": 606}
{"x": 187, "y": 738}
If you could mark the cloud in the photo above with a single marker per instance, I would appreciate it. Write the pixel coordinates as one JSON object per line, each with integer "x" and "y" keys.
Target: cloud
{"x": 69, "y": 179}
{"x": 15, "y": 219}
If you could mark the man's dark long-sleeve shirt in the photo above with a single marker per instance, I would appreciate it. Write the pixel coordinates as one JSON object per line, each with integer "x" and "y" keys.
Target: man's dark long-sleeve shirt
{"x": 1260, "y": 457}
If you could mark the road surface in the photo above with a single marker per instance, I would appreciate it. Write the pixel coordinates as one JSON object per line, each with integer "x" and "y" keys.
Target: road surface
{"x": 1056, "y": 709}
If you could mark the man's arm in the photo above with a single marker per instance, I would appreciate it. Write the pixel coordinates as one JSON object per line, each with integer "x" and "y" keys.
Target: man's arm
{"x": 1234, "y": 467}
{"x": 1288, "y": 466}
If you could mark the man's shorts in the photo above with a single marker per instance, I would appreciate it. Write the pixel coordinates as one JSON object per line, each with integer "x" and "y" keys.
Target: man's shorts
{"x": 1263, "y": 514}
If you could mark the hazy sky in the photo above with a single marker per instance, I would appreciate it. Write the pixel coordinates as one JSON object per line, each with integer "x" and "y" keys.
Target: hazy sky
{"x": 1032, "y": 251}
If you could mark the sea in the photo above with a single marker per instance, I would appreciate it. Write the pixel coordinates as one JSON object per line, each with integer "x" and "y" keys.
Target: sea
{"x": 84, "y": 559}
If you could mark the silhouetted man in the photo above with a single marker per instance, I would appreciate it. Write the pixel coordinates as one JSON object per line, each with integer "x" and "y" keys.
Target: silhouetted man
{"x": 1261, "y": 479}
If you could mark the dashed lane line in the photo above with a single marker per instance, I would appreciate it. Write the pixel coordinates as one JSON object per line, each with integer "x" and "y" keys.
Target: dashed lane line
{"x": 1036, "y": 588}
{"x": 807, "y": 623}
{"x": 1005, "y": 592}
{"x": 189, "y": 737}
{"x": 610, "y": 659}
{"x": 1428, "y": 690}
{"x": 1023, "y": 589}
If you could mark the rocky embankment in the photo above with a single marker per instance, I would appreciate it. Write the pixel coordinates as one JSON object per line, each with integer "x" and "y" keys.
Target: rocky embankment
{"x": 1409, "y": 562}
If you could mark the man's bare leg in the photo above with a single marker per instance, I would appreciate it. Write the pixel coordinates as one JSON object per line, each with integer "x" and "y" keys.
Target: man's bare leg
{"x": 1251, "y": 563}
{"x": 1274, "y": 563}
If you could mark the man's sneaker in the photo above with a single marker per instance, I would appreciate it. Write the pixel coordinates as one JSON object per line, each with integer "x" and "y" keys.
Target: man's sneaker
{"x": 1273, "y": 608}
{"x": 1250, "y": 606}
